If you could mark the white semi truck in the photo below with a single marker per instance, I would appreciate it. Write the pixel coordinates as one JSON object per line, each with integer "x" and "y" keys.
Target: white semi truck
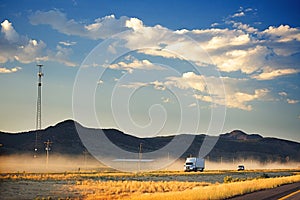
{"x": 194, "y": 164}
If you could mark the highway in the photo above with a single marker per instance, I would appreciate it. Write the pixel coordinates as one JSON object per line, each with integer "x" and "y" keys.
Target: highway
{"x": 285, "y": 192}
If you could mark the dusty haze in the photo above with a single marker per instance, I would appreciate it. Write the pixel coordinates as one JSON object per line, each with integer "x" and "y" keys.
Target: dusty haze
{"x": 62, "y": 163}
{"x": 56, "y": 163}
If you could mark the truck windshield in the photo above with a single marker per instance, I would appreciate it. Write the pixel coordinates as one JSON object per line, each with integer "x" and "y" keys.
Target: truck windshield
{"x": 189, "y": 163}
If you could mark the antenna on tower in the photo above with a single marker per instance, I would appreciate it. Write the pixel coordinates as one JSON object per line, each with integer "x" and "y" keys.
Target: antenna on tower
{"x": 38, "y": 108}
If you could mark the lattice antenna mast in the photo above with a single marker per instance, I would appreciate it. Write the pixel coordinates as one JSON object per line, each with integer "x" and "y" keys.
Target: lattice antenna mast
{"x": 38, "y": 106}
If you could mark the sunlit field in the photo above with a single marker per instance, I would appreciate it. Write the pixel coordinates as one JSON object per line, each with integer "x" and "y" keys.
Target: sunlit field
{"x": 78, "y": 178}
{"x": 121, "y": 189}
{"x": 148, "y": 185}
{"x": 219, "y": 191}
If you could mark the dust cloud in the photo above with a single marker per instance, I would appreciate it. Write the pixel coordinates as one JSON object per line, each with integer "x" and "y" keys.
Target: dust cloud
{"x": 63, "y": 163}
{"x": 56, "y": 163}
{"x": 248, "y": 164}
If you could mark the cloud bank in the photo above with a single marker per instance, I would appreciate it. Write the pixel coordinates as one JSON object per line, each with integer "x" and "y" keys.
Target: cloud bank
{"x": 258, "y": 55}
{"x": 240, "y": 48}
{"x": 16, "y": 47}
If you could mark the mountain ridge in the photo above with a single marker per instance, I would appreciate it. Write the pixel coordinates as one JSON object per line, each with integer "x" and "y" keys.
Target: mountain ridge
{"x": 233, "y": 145}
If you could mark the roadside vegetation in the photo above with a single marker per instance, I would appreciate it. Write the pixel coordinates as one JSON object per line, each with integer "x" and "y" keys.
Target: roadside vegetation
{"x": 122, "y": 189}
{"x": 110, "y": 175}
{"x": 221, "y": 191}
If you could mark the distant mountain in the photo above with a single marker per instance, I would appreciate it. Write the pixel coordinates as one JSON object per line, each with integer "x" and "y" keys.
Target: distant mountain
{"x": 240, "y": 135}
{"x": 230, "y": 146}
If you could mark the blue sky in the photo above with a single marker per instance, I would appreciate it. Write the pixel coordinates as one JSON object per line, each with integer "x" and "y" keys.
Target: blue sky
{"x": 180, "y": 62}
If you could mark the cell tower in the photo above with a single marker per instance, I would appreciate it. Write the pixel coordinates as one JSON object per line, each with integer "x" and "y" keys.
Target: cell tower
{"x": 38, "y": 108}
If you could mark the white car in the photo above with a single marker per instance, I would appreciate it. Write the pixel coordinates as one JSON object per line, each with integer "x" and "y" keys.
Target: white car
{"x": 241, "y": 168}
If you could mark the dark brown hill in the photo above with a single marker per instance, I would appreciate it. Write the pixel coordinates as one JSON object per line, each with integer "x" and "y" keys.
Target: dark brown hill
{"x": 234, "y": 145}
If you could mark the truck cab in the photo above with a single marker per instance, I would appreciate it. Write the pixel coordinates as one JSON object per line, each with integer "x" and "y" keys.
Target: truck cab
{"x": 194, "y": 164}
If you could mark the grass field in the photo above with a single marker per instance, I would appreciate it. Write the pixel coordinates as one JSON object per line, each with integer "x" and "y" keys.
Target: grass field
{"x": 219, "y": 191}
{"x": 75, "y": 175}
{"x": 122, "y": 189}
{"x": 119, "y": 185}
{"x": 176, "y": 190}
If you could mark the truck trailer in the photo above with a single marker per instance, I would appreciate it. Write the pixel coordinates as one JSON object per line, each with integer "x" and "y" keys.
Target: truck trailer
{"x": 194, "y": 164}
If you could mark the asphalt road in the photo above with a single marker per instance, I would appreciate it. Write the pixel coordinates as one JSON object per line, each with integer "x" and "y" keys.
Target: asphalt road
{"x": 285, "y": 192}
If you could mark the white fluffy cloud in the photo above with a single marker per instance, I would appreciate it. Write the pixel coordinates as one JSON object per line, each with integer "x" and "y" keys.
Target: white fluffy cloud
{"x": 158, "y": 52}
{"x": 292, "y": 101}
{"x": 99, "y": 29}
{"x": 166, "y": 100}
{"x": 269, "y": 73}
{"x": 189, "y": 80}
{"x": 67, "y": 43}
{"x": 134, "y": 23}
{"x": 9, "y": 32}
{"x": 282, "y": 33}
{"x": 284, "y": 40}
{"x": 247, "y": 61}
{"x": 242, "y": 48}
{"x": 241, "y": 100}
{"x": 231, "y": 50}
{"x": 20, "y": 48}
{"x": 61, "y": 55}
{"x": 246, "y": 27}
{"x": 240, "y": 14}
{"x": 100, "y": 82}
{"x": 31, "y": 52}
{"x": 222, "y": 41}
{"x": 209, "y": 90}
{"x": 155, "y": 84}
{"x": 192, "y": 105}
{"x": 25, "y": 50}
{"x": 135, "y": 64}
{"x": 4, "y": 70}
{"x": 160, "y": 41}
{"x": 283, "y": 94}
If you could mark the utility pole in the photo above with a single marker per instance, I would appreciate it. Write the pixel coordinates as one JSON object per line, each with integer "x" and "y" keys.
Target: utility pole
{"x": 168, "y": 160}
{"x": 38, "y": 108}
{"x": 85, "y": 152}
{"x": 140, "y": 156}
{"x": 140, "y": 151}
{"x": 47, "y": 148}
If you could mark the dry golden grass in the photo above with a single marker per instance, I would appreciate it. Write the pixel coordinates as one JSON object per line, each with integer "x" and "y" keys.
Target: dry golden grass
{"x": 64, "y": 176}
{"x": 121, "y": 189}
{"x": 221, "y": 191}
{"x": 109, "y": 174}
{"x": 87, "y": 186}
